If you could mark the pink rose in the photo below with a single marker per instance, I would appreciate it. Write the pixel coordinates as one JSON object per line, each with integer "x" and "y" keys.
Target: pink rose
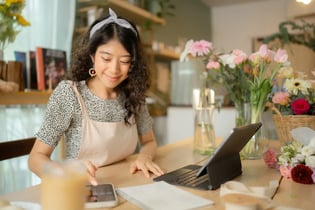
{"x": 300, "y": 106}
{"x": 212, "y": 64}
{"x": 285, "y": 171}
{"x": 281, "y": 98}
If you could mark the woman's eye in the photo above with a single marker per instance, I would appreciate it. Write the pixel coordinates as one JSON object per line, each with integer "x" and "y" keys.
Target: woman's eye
{"x": 125, "y": 62}
{"x": 106, "y": 59}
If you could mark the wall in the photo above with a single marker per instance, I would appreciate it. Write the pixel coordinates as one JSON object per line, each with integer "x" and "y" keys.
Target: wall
{"x": 187, "y": 23}
{"x": 236, "y": 26}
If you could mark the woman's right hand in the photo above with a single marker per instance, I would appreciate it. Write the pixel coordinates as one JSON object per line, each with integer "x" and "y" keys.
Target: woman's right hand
{"x": 91, "y": 170}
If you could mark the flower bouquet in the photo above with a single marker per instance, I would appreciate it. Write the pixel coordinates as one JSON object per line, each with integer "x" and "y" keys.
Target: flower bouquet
{"x": 11, "y": 20}
{"x": 204, "y": 99}
{"x": 296, "y": 160}
{"x": 293, "y": 104}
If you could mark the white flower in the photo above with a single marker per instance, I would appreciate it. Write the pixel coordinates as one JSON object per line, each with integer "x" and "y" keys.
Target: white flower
{"x": 310, "y": 161}
{"x": 228, "y": 59}
{"x": 308, "y": 150}
{"x": 183, "y": 56}
{"x": 293, "y": 86}
{"x": 284, "y": 160}
{"x": 299, "y": 158}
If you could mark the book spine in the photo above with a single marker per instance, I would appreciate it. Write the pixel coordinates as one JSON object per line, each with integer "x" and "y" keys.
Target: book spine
{"x": 40, "y": 69}
{"x": 28, "y": 70}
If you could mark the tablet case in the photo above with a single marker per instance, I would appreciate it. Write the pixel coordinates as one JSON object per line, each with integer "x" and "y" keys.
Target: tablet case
{"x": 225, "y": 164}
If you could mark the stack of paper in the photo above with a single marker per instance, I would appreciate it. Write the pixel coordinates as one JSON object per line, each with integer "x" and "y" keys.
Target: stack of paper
{"x": 161, "y": 195}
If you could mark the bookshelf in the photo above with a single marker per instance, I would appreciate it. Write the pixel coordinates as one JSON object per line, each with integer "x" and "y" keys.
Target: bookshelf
{"x": 125, "y": 9}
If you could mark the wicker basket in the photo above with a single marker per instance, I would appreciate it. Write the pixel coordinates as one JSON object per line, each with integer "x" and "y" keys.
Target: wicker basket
{"x": 285, "y": 123}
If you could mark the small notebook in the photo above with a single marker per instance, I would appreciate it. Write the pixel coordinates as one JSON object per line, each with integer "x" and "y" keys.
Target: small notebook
{"x": 161, "y": 195}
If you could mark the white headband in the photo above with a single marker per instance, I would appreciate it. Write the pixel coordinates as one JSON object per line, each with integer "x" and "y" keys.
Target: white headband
{"x": 112, "y": 19}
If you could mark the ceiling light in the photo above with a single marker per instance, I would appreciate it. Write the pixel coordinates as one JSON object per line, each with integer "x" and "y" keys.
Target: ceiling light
{"x": 304, "y": 1}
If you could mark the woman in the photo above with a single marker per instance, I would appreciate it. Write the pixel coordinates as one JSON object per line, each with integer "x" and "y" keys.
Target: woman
{"x": 102, "y": 110}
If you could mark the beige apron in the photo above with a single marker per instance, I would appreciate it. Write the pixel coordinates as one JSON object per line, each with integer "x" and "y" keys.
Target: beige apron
{"x": 105, "y": 142}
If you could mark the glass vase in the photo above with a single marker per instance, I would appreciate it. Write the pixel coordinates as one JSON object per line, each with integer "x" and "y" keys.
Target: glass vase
{"x": 242, "y": 114}
{"x": 255, "y": 146}
{"x": 204, "y": 105}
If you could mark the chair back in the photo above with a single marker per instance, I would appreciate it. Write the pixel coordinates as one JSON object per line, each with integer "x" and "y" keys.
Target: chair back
{"x": 16, "y": 148}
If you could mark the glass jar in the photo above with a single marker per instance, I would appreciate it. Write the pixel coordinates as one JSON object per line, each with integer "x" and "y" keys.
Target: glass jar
{"x": 204, "y": 105}
{"x": 63, "y": 186}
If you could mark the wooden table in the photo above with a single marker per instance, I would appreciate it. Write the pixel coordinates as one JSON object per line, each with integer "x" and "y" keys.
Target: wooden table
{"x": 172, "y": 156}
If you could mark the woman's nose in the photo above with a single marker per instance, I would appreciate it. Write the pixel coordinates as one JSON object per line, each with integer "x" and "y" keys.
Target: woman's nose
{"x": 115, "y": 67}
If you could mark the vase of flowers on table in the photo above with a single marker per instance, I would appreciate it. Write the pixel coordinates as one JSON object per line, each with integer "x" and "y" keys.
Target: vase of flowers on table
{"x": 248, "y": 79}
{"x": 231, "y": 70}
{"x": 264, "y": 66}
{"x": 203, "y": 99}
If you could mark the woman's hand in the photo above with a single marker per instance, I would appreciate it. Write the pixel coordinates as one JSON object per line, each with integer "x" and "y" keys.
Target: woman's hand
{"x": 91, "y": 170}
{"x": 145, "y": 164}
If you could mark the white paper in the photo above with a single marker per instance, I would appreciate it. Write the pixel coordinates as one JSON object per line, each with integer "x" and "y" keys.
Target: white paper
{"x": 303, "y": 134}
{"x": 161, "y": 195}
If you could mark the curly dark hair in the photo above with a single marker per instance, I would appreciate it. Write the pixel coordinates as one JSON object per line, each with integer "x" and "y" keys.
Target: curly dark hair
{"x": 138, "y": 80}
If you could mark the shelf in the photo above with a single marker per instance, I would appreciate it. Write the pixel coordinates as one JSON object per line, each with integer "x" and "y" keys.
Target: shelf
{"x": 127, "y": 10}
{"x": 24, "y": 98}
{"x": 166, "y": 55}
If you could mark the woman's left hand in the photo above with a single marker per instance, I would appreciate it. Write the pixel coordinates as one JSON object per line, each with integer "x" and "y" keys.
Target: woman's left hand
{"x": 145, "y": 164}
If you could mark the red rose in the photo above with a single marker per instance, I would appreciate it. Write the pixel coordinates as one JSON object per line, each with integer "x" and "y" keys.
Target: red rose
{"x": 300, "y": 106}
{"x": 302, "y": 174}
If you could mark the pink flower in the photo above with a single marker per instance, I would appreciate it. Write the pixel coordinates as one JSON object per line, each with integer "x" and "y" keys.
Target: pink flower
{"x": 212, "y": 64}
{"x": 265, "y": 53}
{"x": 270, "y": 158}
{"x": 300, "y": 106}
{"x": 240, "y": 56}
{"x": 255, "y": 58}
{"x": 285, "y": 171}
{"x": 281, "y": 56}
{"x": 200, "y": 48}
{"x": 281, "y": 98}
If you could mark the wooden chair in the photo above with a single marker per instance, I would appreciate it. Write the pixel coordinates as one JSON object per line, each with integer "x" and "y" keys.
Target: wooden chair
{"x": 16, "y": 148}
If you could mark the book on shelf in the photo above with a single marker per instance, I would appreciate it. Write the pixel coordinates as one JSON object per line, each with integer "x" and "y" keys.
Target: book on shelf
{"x": 21, "y": 56}
{"x": 28, "y": 59}
{"x": 51, "y": 66}
{"x": 31, "y": 64}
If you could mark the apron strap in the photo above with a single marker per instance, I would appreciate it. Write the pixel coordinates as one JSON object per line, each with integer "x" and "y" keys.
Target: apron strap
{"x": 80, "y": 99}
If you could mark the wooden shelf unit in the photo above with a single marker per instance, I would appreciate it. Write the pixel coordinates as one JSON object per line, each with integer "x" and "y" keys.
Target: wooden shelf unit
{"x": 25, "y": 98}
{"x": 123, "y": 8}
